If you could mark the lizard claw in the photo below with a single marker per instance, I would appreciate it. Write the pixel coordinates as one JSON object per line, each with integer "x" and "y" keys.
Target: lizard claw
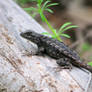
{"x": 58, "y": 69}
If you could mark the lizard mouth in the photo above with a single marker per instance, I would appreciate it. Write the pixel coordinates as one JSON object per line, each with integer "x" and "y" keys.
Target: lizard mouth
{"x": 27, "y": 35}
{"x": 22, "y": 34}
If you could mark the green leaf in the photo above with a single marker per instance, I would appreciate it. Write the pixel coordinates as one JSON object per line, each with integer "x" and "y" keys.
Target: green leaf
{"x": 38, "y": 6}
{"x": 64, "y": 25}
{"x": 65, "y": 35}
{"x": 53, "y": 36}
{"x": 39, "y": 2}
{"x": 30, "y": 9}
{"x": 44, "y": 5}
{"x": 46, "y": 33}
{"x": 73, "y": 26}
{"x": 90, "y": 63}
{"x": 53, "y": 4}
{"x": 55, "y": 31}
{"x": 34, "y": 14}
{"x": 49, "y": 10}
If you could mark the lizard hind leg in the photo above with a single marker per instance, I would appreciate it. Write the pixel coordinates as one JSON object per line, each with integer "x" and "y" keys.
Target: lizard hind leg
{"x": 64, "y": 63}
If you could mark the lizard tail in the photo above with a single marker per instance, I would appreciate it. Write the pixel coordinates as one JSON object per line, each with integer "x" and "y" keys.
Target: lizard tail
{"x": 83, "y": 65}
{"x": 89, "y": 68}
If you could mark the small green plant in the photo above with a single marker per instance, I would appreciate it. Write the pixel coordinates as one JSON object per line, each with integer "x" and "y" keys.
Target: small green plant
{"x": 66, "y": 26}
{"x": 44, "y": 5}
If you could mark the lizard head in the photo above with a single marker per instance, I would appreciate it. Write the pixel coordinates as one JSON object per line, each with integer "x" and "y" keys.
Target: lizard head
{"x": 31, "y": 36}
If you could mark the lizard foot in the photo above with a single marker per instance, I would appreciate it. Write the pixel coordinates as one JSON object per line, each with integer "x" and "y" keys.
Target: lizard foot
{"x": 58, "y": 69}
{"x": 40, "y": 51}
{"x": 28, "y": 54}
{"x": 64, "y": 63}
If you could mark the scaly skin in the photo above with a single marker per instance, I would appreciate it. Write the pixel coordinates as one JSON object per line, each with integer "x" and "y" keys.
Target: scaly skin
{"x": 55, "y": 49}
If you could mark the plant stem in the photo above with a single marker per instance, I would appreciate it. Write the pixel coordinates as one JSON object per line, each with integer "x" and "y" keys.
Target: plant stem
{"x": 51, "y": 28}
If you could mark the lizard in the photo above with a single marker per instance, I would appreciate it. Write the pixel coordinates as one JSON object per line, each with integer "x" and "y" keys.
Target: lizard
{"x": 64, "y": 55}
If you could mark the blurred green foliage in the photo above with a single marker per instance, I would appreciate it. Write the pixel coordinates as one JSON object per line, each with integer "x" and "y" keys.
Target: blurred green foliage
{"x": 90, "y": 63}
{"x": 86, "y": 47}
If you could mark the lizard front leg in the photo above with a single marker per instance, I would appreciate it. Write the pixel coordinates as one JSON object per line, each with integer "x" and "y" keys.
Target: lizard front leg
{"x": 64, "y": 63}
{"x": 40, "y": 51}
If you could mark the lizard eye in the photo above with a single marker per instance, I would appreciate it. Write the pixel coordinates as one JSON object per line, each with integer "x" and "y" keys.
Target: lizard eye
{"x": 28, "y": 33}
